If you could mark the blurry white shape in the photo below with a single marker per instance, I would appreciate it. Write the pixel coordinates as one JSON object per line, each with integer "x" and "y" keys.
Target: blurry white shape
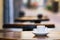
{"x": 47, "y": 22}
{"x": 25, "y": 1}
{"x": 14, "y": 29}
{"x": 40, "y": 32}
{"x": 41, "y": 26}
{"x": 50, "y": 29}
{"x": 28, "y": 23}
{"x": 41, "y": 2}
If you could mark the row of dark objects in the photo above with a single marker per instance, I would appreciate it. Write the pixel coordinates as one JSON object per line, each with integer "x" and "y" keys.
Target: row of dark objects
{"x": 25, "y": 27}
{"x": 39, "y": 16}
{"x": 22, "y": 14}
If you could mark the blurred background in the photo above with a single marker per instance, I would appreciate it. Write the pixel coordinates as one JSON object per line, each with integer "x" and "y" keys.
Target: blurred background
{"x": 11, "y": 9}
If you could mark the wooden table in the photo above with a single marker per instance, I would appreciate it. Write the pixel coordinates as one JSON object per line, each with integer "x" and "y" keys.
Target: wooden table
{"x": 28, "y": 35}
{"x": 31, "y": 18}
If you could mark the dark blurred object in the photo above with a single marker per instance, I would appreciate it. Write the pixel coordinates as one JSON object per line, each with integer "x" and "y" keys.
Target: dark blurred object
{"x": 29, "y": 27}
{"x": 55, "y": 6}
{"x": 50, "y": 26}
{"x": 24, "y": 27}
{"x": 37, "y": 21}
{"x": 7, "y": 39}
{"x": 21, "y": 13}
{"x": 29, "y": 3}
{"x": 39, "y": 16}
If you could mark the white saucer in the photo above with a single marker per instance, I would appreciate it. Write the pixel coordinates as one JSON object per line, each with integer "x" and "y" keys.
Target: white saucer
{"x": 37, "y": 33}
{"x": 40, "y": 33}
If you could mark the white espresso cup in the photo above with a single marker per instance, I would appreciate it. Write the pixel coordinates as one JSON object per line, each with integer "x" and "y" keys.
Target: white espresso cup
{"x": 41, "y": 28}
